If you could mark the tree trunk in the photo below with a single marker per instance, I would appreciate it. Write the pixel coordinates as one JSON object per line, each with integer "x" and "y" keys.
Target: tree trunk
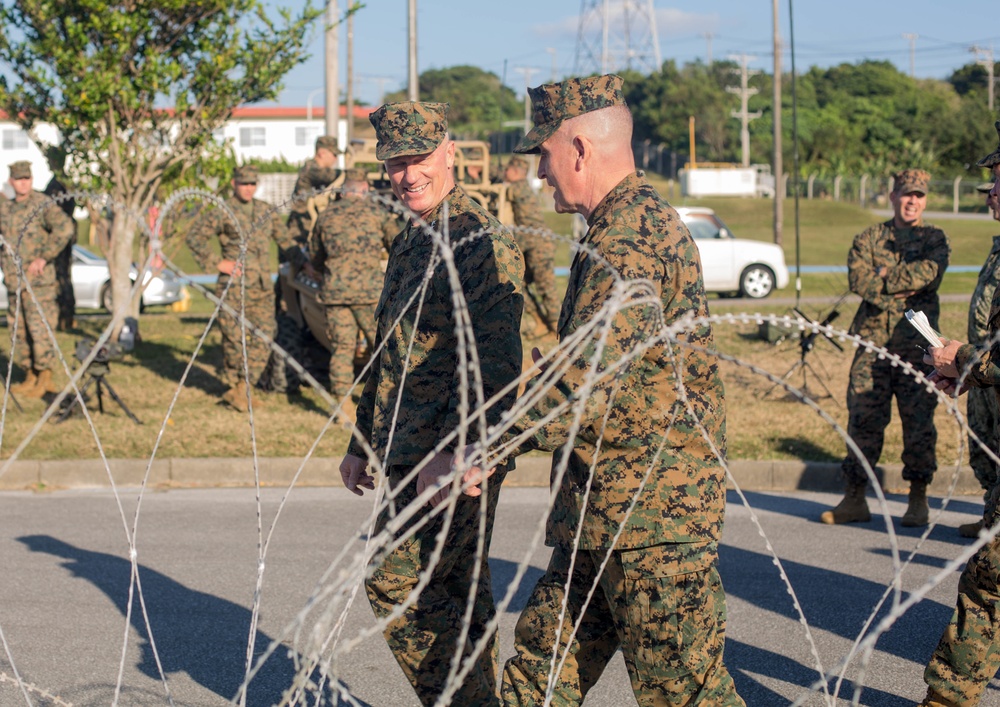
{"x": 123, "y": 229}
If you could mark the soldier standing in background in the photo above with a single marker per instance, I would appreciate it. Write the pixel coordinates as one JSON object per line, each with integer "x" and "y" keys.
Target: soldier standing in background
{"x": 37, "y": 230}
{"x": 316, "y": 174}
{"x": 65, "y": 298}
{"x": 983, "y": 411}
{"x": 412, "y": 398}
{"x": 894, "y": 266}
{"x": 258, "y": 222}
{"x": 346, "y": 248}
{"x": 642, "y": 578}
{"x": 539, "y": 251}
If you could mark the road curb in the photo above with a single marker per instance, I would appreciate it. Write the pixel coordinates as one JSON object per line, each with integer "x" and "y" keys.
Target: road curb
{"x": 323, "y": 471}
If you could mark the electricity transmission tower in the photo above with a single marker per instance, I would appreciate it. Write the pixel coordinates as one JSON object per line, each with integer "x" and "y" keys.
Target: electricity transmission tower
{"x": 616, "y": 35}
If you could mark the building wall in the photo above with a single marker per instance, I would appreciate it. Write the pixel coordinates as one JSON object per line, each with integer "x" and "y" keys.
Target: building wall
{"x": 290, "y": 139}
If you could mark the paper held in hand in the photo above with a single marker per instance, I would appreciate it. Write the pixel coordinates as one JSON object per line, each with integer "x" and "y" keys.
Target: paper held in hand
{"x": 919, "y": 320}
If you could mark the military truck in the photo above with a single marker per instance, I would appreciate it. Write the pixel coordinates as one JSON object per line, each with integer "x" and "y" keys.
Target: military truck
{"x": 302, "y": 320}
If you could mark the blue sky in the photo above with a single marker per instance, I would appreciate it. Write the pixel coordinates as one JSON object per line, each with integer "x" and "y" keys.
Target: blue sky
{"x": 509, "y": 37}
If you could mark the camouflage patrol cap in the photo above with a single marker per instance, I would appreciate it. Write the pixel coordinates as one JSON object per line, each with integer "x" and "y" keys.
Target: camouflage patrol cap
{"x": 20, "y": 170}
{"x": 984, "y": 188}
{"x": 911, "y": 180}
{"x": 327, "y": 142}
{"x": 245, "y": 174}
{"x": 409, "y": 128}
{"x": 553, "y": 103}
{"x": 356, "y": 174}
{"x": 994, "y": 157}
{"x": 518, "y": 162}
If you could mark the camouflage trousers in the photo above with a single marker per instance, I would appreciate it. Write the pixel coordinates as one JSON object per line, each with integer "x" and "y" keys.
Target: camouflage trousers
{"x": 968, "y": 654}
{"x": 343, "y": 322}
{"x": 873, "y": 383}
{"x": 65, "y": 299}
{"x": 33, "y": 347}
{"x": 663, "y": 605}
{"x": 542, "y": 298}
{"x": 427, "y": 635}
{"x": 259, "y": 311}
{"x": 984, "y": 417}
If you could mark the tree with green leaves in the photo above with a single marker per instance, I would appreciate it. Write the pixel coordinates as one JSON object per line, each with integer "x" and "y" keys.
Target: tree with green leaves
{"x": 479, "y": 101}
{"x": 136, "y": 89}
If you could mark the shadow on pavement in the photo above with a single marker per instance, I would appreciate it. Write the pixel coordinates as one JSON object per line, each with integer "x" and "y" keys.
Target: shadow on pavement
{"x": 194, "y": 632}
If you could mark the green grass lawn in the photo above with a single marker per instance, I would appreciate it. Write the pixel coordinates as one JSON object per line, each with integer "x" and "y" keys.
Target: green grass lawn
{"x": 762, "y": 424}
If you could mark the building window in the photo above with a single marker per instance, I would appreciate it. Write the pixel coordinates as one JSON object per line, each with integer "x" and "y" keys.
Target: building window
{"x": 306, "y": 136}
{"x": 15, "y": 139}
{"x": 252, "y": 137}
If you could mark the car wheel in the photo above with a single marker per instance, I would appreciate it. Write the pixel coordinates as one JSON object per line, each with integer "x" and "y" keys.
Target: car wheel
{"x": 107, "y": 299}
{"x": 756, "y": 282}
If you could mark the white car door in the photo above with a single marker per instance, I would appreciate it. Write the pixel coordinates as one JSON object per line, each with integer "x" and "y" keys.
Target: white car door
{"x": 717, "y": 257}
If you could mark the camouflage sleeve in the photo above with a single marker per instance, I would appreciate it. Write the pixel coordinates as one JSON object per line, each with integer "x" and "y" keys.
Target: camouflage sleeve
{"x": 862, "y": 267}
{"x": 286, "y": 242}
{"x": 61, "y": 229}
{"x": 980, "y": 313}
{"x": 924, "y": 273}
{"x": 365, "y": 411}
{"x": 627, "y": 327}
{"x": 199, "y": 236}
{"x": 316, "y": 245}
{"x": 492, "y": 273}
{"x": 977, "y": 366}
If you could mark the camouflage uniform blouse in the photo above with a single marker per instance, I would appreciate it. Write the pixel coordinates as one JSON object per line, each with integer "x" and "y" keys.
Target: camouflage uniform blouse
{"x": 347, "y": 246}
{"x": 491, "y": 269}
{"x": 982, "y": 296}
{"x": 259, "y": 227}
{"x": 648, "y": 425}
{"x": 49, "y": 231}
{"x": 916, "y": 259}
{"x": 524, "y": 203}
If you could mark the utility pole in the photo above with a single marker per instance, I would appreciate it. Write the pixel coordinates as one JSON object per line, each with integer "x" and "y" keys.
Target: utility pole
{"x": 350, "y": 77}
{"x": 744, "y": 113}
{"x": 779, "y": 197}
{"x": 708, "y": 39}
{"x": 413, "y": 89}
{"x": 912, "y": 39}
{"x": 552, "y": 51}
{"x": 984, "y": 57}
{"x": 527, "y": 71}
{"x": 332, "y": 69}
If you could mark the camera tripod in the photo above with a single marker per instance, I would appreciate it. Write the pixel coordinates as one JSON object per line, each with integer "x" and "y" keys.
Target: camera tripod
{"x": 807, "y": 342}
{"x": 95, "y": 376}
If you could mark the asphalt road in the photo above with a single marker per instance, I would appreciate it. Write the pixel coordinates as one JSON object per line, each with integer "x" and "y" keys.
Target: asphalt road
{"x": 65, "y": 579}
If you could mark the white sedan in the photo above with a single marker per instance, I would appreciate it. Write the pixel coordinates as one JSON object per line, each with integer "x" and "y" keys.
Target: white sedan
{"x": 734, "y": 265}
{"x": 92, "y": 283}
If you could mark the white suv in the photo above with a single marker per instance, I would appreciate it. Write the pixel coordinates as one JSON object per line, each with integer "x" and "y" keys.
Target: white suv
{"x": 734, "y": 265}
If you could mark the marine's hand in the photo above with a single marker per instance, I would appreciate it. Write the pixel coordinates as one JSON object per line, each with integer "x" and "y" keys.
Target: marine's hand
{"x": 948, "y": 386}
{"x": 353, "y": 471}
{"x": 943, "y": 358}
{"x": 904, "y": 294}
{"x": 36, "y": 267}
{"x": 438, "y": 466}
{"x": 230, "y": 267}
{"x": 475, "y": 475}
